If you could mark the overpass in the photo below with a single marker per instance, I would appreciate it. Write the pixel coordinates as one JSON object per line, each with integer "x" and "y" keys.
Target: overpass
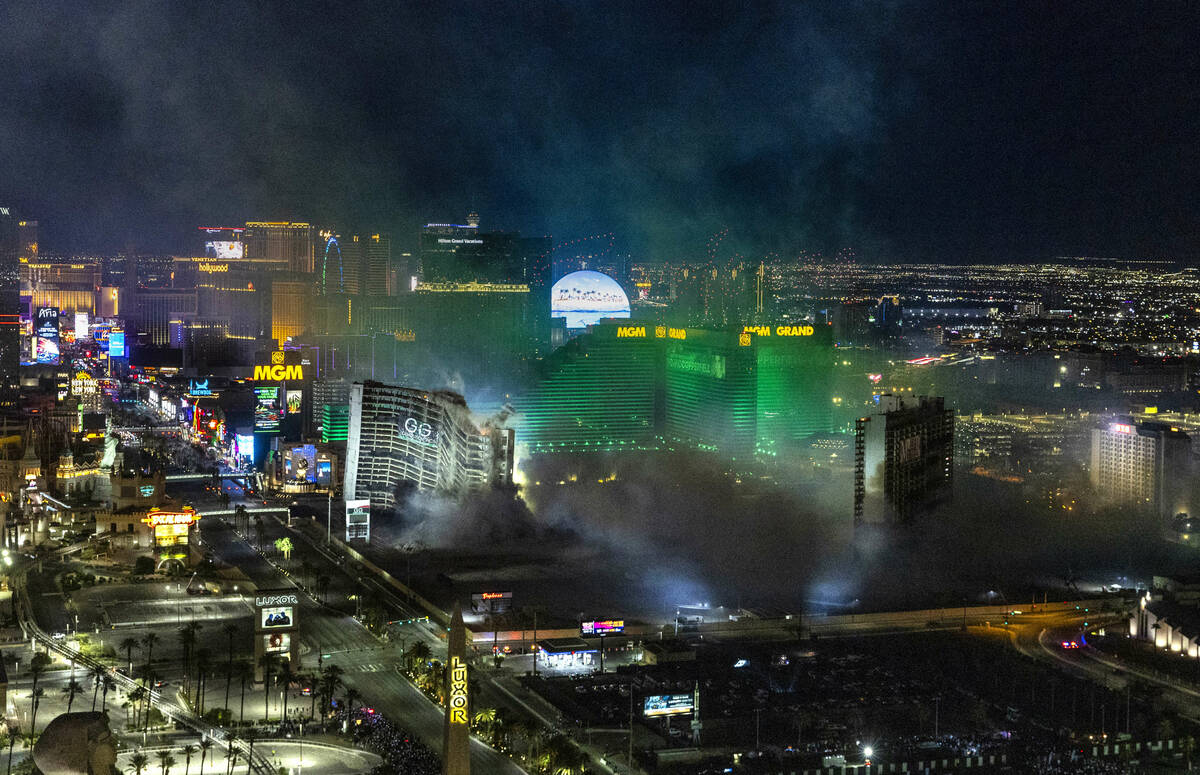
{"x": 206, "y": 477}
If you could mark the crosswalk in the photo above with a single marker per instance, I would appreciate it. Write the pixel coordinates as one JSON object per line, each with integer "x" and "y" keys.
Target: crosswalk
{"x": 370, "y": 667}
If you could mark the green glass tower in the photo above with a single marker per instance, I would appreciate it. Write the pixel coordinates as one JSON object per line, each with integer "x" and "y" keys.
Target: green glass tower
{"x": 598, "y": 392}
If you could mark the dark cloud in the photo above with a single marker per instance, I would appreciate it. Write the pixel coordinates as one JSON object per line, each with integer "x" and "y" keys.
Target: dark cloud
{"x": 906, "y": 129}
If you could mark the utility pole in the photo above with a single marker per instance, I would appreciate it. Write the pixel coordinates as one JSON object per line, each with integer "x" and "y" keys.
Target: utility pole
{"x": 631, "y": 727}
{"x": 329, "y": 518}
{"x": 535, "y": 645}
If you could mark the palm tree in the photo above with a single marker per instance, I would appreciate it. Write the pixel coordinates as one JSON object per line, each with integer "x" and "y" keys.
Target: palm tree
{"x": 98, "y": 673}
{"x": 1188, "y": 746}
{"x": 205, "y": 745}
{"x": 331, "y": 679}
{"x": 187, "y": 639}
{"x": 322, "y": 586}
{"x": 139, "y": 761}
{"x": 250, "y": 753}
{"x": 135, "y": 699}
{"x": 165, "y": 760}
{"x": 351, "y": 696}
{"x": 260, "y": 530}
{"x": 36, "y": 698}
{"x": 230, "y": 629}
{"x": 202, "y": 662}
{"x": 417, "y": 654}
{"x": 129, "y": 644}
{"x": 71, "y": 689}
{"x": 267, "y": 662}
{"x": 14, "y": 732}
{"x": 109, "y": 684}
{"x": 245, "y": 673}
{"x": 287, "y": 679}
{"x": 148, "y": 640}
{"x": 187, "y": 752}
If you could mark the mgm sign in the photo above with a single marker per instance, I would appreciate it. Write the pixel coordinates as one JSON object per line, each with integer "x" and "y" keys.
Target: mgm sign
{"x": 275, "y": 630}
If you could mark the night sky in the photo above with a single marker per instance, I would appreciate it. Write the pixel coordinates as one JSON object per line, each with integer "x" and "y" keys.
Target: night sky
{"x": 925, "y": 131}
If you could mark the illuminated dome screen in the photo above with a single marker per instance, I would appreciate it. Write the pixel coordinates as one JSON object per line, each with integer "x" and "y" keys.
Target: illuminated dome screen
{"x": 584, "y": 298}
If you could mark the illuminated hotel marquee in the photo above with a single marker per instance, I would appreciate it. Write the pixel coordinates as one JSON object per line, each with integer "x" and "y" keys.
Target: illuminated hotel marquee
{"x": 277, "y": 371}
{"x": 457, "y": 701}
{"x": 213, "y": 268}
{"x": 157, "y": 517}
{"x": 779, "y": 330}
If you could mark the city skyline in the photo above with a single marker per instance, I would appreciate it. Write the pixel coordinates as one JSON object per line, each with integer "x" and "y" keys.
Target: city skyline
{"x": 904, "y": 131}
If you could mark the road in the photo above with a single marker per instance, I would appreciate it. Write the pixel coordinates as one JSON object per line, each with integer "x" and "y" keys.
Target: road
{"x": 369, "y": 667}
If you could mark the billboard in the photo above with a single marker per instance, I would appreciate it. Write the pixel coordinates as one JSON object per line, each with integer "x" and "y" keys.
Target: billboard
{"x": 602, "y": 628}
{"x": 277, "y": 617}
{"x": 491, "y": 602}
{"x": 667, "y": 705}
{"x": 324, "y": 471}
{"x": 224, "y": 249}
{"x": 358, "y": 520}
{"x": 45, "y": 332}
{"x": 277, "y": 643}
{"x": 586, "y": 297}
{"x": 267, "y": 411}
{"x": 116, "y": 344}
{"x": 301, "y": 463}
{"x": 81, "y": 326}
{"x": 294, "y": 400}
{"x": 244, "y": 443}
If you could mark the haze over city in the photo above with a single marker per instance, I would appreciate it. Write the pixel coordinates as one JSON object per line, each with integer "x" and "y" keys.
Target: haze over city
{"x": 567, "y": 388}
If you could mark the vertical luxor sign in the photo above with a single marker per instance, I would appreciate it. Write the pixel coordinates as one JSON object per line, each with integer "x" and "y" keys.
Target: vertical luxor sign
{"x": 458, "y": 691}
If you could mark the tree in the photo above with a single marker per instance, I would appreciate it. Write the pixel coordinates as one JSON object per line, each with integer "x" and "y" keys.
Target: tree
{"x": 240, "y": 517}
{"x": 187, "y": 639}
{"x": 1188, "y": 746}
{"x": 187, "y": 752}
{"x": 418, "y": 654}
{"x": 286, "y": 679}
{"x": 36, "y": 698}
{"x": 129, "y": 644}
{"x": 285, "y": 547}
{"x": 14, "y": 731}
{"x": 268, "y": 663}
{"x": 98, "y": 674}
{"x": 135, "y": 698}
{"x": 245, "y": 672}
{"x": 71, "y": 689}
{"x": 205, "y": 746}
{"x": 148, "y": 640}
{"x": 322, "y": 586}
{"x": 260, "y": 530}
{"x": 331, "y": 680}
{"x": 109, "y": 685}
{"x": 203, "y": 657}
{"x": 230, "y": 629}
{"x": 165, "y": 760}
{"x": 139, "y": 761}
{"x": 351, "y": 696}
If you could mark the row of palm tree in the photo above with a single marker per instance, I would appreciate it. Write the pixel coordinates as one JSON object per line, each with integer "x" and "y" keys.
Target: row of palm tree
{"x": 166, "y": 757}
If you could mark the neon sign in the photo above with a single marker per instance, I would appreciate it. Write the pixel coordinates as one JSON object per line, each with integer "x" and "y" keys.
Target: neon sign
{"x": 1121, "y": 428}
{"x": 277, "y": 373}
{"x": 631, "y": 332}
{"x": 457, "y": 700}
{"x": 779, "y": 330}
{"x": 157, "y": 517}
{"x": 602, "y": 628}
{"x": 213, "y": 268}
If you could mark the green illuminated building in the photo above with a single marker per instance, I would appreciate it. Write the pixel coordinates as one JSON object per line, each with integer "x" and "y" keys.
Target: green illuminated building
{"x": 596, "y": 393}
{"x": 335, "y": 422}
{"x": 640, "y": 386}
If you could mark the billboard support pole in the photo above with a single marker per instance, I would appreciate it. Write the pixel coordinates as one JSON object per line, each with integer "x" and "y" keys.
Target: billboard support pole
{"x": 329, "y": 518}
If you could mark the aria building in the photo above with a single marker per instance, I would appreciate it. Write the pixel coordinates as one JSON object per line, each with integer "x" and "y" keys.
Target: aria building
{"x": 403, "y": 438}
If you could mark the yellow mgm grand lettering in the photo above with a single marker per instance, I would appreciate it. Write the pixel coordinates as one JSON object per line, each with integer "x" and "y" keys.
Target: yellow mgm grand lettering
{"x": 277, "y": 373}
{"x": 779, "y": 330}
{"x": 631, "y": 332}
{"x": 457, "y": 701}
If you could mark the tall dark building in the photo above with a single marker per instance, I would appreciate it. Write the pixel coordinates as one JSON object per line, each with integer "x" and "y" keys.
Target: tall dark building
{"x": 903, "y": 459}
{"x": 10, "y": 308}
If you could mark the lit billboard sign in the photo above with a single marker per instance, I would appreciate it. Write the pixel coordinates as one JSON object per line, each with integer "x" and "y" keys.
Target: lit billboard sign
{"x": 267, "y": 412}
{"x": 779, "y": 330}
{"x": 294, "y": 400}
{"x": 586, "y": 297}
{"x": 46, "y": 334}
{"x": 116, "y": 344}
{"x": 1121, "y": 428}
{"x": 277, "y": 617}
{"x": 277, "y": 643}
{"x": 491, "y": 602}
{"x": 667, "y": 705}
{"x": 278, "y": 373}
{"x": 224, "y": 249}
{"x": 245, "y": 445}
{"x": 358, "y": 520}
{"x": 456, "y": 700}
{"x": 156, "y": 517}
{"x": 199, "y": 387}
{"x": 603, "y": 627}
{"x": 81, "y": 325}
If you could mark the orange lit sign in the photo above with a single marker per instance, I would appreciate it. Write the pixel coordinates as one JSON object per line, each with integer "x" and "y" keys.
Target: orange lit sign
{"x": 156, "y": 517}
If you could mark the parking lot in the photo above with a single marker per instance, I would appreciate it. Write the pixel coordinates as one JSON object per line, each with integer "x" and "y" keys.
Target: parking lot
{"x": 148, "y": 605}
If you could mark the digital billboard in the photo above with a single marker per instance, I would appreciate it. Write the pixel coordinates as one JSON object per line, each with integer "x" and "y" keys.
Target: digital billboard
{"x": 667, "y": 705}
{"x": 244, "y": 445}
{"x": 277, "y": 643}
{"x": 278, "y": 617}
{"x": 358, "y": 520}
{"x": 301, "y": 463}
{"x": 116, "y": 344}
{"x": 81, "y": 326}
{"x": 491, "y": 602}
{"x": 603, "y": 627}
{"x": 224, "y": 249}
{"x": 586, "y": 297}
{"x": 294, "y": 400}
{"x": 324, "y": 471}
{"x": 267, "y": 411}
{"x": 45, "y": 333}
